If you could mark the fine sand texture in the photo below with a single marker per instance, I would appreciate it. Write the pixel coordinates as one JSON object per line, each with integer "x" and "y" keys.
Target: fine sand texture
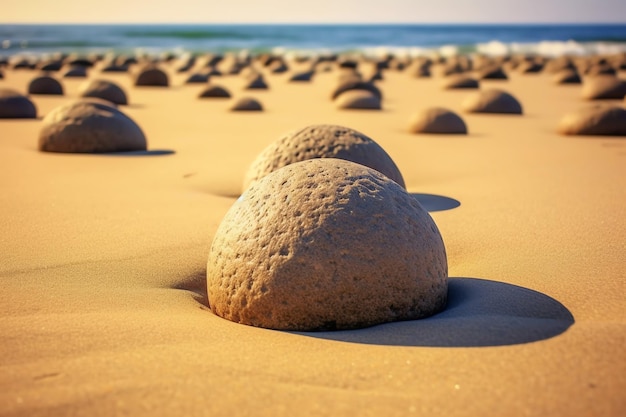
{"x": 104, "y": 256}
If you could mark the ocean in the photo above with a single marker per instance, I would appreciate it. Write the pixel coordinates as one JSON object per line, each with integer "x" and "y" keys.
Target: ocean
{"x": 370, "y": 39}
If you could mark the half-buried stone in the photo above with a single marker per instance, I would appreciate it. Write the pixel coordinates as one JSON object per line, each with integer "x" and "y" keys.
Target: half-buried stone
{"x": 358, "y": 100}
{"x": 492, "y": 101}
{"x": 247, "y": 104}
{"x": 596, "y": 120}
{"x": 152, "y": 75}
{"x": 45, "y": 85}
{"x": 326, "y": 244}
{"x": 437, "y": 120}
{"x": 214, "y": 91}
{"x": 322, "y": 141}
{"x": 459, "y": 81}
{"x": 89, "y": 126}
{"x": 106, "y": 90}
{"x": 14, "y": 105}
{"x": 603, "y": 87}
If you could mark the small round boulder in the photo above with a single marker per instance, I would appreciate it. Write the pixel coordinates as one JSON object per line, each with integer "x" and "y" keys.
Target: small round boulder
{"x": 45, "y": 85}
{"x": 247, "y": 104}
{"x": 596, "y": 120}
{"x": 152, "y": 76}
{"x": 326, "y": 244}
{"x": 492, "y": 101}
{"x": 358, "y": 100}
{"x": 459, "y": 81}
{"x": 603, "y": 87}
{"x": 14, "y": 105}
{"x": 437, "y": 120}
{"x": 89, "y": 126}
{"x": 106, "y": 90}
{"x": 322, "y": 141}
{"x": 214, "y": 91}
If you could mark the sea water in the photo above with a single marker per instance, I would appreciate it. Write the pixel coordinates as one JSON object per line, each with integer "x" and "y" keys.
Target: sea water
{"x": 370, "y": 39}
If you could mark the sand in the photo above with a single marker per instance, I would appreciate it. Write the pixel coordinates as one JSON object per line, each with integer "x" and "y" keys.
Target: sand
{"x": 104, "y": 258}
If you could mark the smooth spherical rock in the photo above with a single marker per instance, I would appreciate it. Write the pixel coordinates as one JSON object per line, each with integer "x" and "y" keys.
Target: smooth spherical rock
{"x": 492, "y": 101}
{"x": 437, "y": 120}
{"x": 214, "y": 91}
{"x": 322, "y": 141}
{"x": 603, "y": 87}
{"x": 76, "y": 72}
{"x": 14, "y": 105}
{"x": 152, "y": 76}
{"x": 326, "y": 244}
{"x": 458, "y": 81}
{"x": 596, "y": 120}
{"x": 89, "y": 126}
{"x": 45, "y": 85}
{"x": 354, "y": 84}
{"x": 103, "y": 89}
{"x": 358, "y": 100}
{"x": 247, "y": 104}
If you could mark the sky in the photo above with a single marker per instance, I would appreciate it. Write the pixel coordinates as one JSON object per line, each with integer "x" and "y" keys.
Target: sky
{"x": 313, "y": 11}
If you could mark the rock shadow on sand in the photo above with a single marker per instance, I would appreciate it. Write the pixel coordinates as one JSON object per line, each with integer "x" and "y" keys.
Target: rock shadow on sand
{"x": 479, "y": 313}
{"x": 433, "y": 202}
{"x": 150, "y": 152}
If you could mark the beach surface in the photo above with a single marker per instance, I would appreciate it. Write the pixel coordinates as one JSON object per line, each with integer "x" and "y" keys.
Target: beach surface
{"x": 103, "y": 272}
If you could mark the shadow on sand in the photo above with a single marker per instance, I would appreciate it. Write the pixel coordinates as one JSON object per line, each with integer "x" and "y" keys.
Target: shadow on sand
{"x": 432, "y": 202}
{"x": 479, "y": 313}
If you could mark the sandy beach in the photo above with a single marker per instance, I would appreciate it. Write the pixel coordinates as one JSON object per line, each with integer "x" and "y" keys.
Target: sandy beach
{"x": 104, "y": 257}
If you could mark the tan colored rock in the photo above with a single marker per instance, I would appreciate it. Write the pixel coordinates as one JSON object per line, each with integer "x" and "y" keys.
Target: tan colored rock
{"x": 358, "y": 100}
{"x": 353, "y": 84}
{"x": 326, "y": 244}
{"x": 603, "y": 87}
{"x": 322, "y": 141}
{"x": 103, "y": 89}
{"x": 247, "y": 104}
{"x": 89, "y": 126}
{"x": 458, "y": 81}
{"x": 14, "y": 105}
{"x": 45, "y": 85}
{"x": 492, "y": 101}
{"x": 595, "y": 120}
{"x": 437, "y": 120}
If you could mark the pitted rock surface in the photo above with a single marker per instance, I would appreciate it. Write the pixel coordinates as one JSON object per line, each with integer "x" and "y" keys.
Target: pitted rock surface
{"x": 326, "y": 244}
{"x": 322, "y": 141}
{"x": 89, "y": 126}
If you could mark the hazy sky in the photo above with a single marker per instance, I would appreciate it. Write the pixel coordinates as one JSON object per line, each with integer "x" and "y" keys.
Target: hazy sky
{"x": 312, "y": 11}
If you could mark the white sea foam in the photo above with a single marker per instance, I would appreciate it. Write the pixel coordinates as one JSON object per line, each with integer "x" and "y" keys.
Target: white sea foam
{"x": 551, "y": 48}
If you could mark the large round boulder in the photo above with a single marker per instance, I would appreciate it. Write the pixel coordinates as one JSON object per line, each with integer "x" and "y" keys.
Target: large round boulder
{"x": 14, "y": 105}
{"x": 103, "y": 89}
{"x": 596, "y": 120}
{"x": 89, "y": 126}
{"x": 437, "y": 120}
{"x": 326, "y": 244}
{"x": 322, "y": 141}
{"x": 492, "y": 101}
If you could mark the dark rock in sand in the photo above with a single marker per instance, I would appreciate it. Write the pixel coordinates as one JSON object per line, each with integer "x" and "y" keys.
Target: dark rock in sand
{"x": 247, "y": 104}
{"x": 152, "y": 75}
{"x": 14, "y": 105}
{"x": 358, "y": 100}
{"x": 214, "y": 91}
{"x": 459, "y": 81}
{"x": 45, "y": 85}
{"x": 103, "y": 89}
{"x": 603, "y": 87}
{"x": 566, "y": 76}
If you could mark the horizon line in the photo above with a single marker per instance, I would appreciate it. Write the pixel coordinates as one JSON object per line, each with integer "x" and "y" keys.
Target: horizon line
{"x": 281, "y": 23}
